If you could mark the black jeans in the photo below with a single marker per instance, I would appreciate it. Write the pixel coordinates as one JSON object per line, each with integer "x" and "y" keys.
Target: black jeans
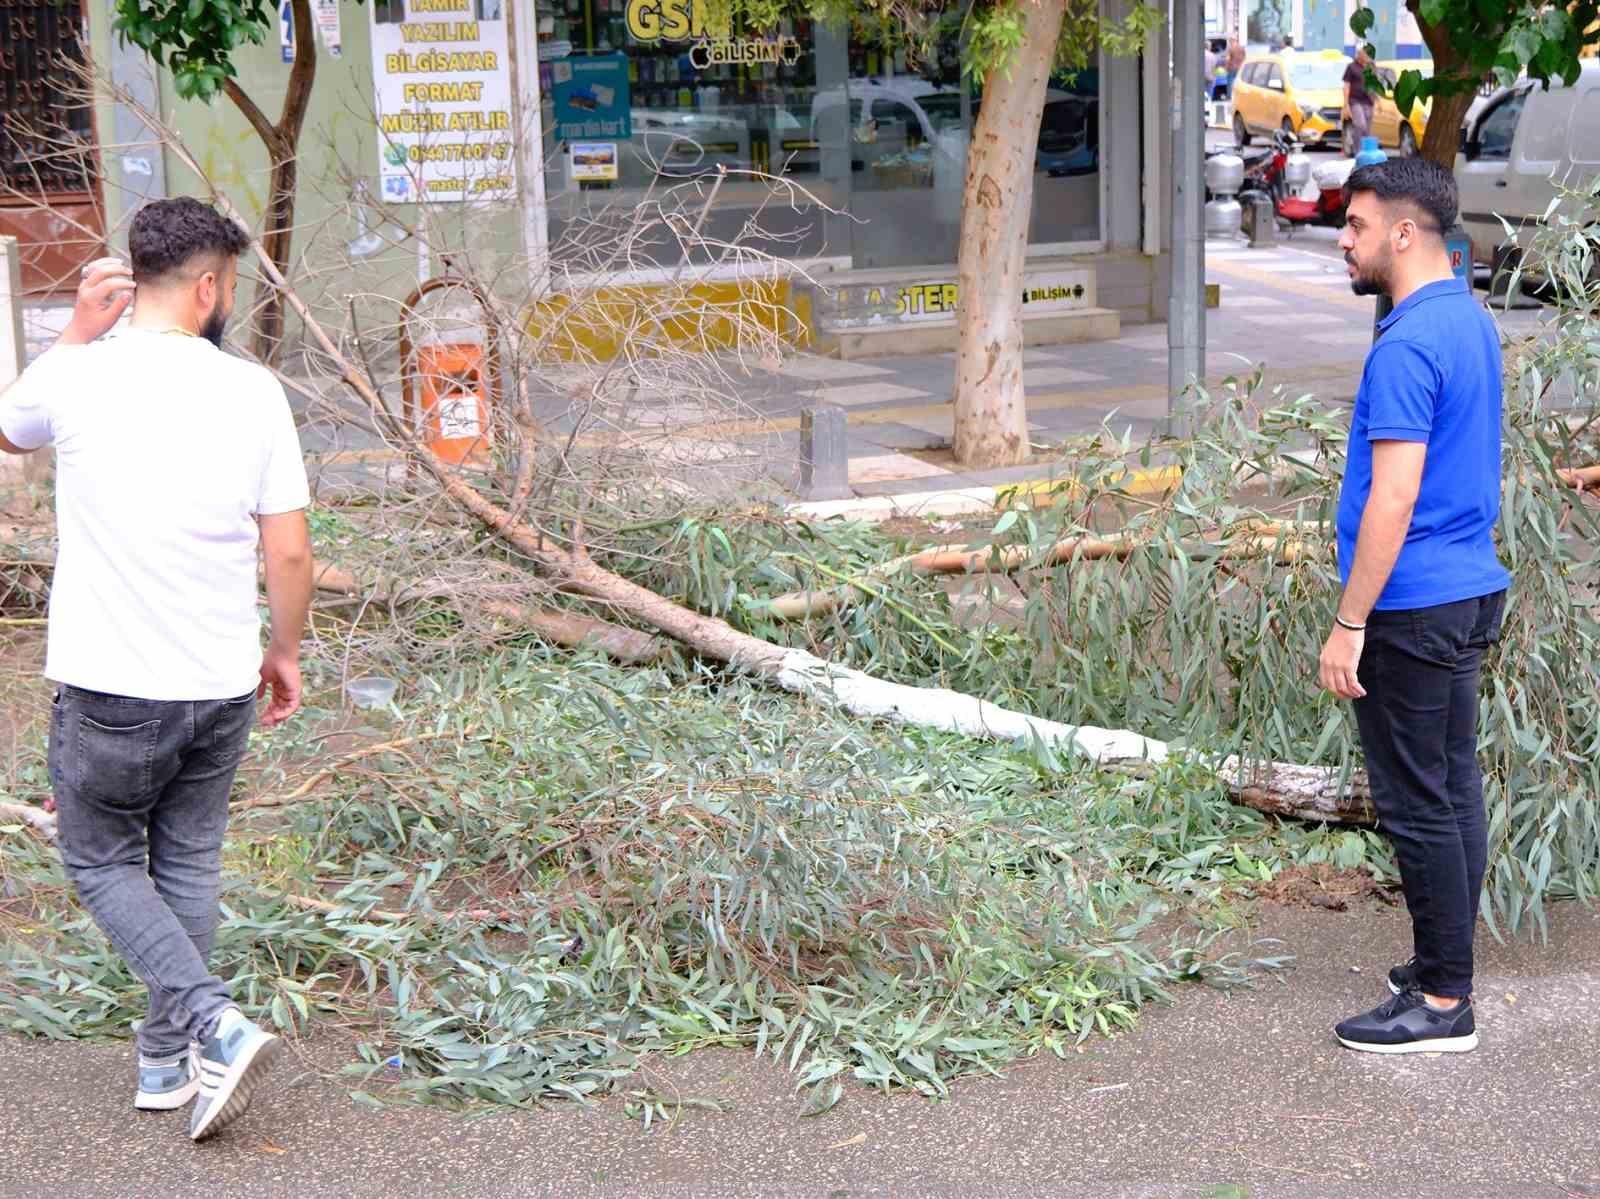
{"x": 1419, "y": 731}
{"x": 141, "y": 791}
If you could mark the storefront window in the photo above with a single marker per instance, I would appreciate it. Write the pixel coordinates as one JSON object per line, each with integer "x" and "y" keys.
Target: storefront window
{"x": 1066, "y": 169}
{"x": 908, "y": 132}
{"x": 641, "y": 95}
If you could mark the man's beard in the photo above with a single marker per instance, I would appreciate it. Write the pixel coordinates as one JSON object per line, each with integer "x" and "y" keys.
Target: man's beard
{"x": 215, "y": 324}
{"x": 1369, "y": 283}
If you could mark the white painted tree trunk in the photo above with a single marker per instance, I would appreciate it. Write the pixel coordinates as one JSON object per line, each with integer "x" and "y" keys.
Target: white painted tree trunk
{"x": 991, "y": 417}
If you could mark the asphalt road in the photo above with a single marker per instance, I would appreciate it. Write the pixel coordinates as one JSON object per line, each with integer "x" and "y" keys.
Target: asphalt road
{"x": 1221, "y": 1095}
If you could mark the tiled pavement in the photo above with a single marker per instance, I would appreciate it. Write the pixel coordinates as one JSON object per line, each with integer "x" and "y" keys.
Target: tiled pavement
{"x": 1288, "y": 308}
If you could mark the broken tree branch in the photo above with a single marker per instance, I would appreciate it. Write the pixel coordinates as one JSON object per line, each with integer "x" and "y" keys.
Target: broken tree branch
{"x": 37, "y": 818}
{"x": 322, "y": 776}
{"x": 1584, "y": 478}
{"x": 575, "y": 630}
{"x": 1262, "y": 541}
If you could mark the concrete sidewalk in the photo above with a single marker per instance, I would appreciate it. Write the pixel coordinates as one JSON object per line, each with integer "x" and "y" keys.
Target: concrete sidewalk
{"x": 1220, "y": 1095}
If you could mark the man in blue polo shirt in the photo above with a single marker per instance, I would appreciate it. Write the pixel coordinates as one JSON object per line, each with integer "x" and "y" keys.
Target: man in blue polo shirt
{"x": 1423, "y": 587}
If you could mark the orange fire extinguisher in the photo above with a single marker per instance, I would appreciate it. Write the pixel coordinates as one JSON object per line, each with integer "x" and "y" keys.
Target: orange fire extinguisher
{"x": 460, "y": 383}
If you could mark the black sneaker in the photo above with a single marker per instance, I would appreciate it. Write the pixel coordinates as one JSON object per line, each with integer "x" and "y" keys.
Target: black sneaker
{"x": 1403, "y": 977}
{"x": 1407, "y": 1024}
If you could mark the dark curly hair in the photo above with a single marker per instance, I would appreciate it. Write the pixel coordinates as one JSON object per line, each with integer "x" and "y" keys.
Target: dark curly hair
{"x": 167, "y": 234}
{"x": 1426, "y": 186}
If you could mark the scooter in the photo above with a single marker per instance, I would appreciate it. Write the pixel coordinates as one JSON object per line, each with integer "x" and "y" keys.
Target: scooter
{"x": 1285, "y": 175}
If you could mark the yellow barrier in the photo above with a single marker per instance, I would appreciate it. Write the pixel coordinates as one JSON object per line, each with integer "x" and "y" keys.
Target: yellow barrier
{"x": 1042, "y": 493}
{"x": 697, "y": 316}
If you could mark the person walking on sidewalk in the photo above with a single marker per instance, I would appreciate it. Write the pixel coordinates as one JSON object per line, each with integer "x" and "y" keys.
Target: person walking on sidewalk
{"x": 174, "y": 463}
{"x": 1423, "y": 587}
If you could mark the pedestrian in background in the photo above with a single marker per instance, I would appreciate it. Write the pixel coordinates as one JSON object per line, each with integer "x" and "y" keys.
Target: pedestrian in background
{"x": 175, "y": 464}
{"x": 1424, "y": 589}
{"x": 1358, "y": 102}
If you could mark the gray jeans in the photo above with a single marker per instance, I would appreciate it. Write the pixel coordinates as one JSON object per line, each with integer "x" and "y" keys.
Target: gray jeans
{"x": 141, "y": 791}
{"x": 1359, "y": 125}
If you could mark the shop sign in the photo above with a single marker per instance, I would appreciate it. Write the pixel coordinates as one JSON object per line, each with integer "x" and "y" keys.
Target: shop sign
{"x": 595, "y": 161}
{"x": 326, "y": 15}
{"x": 936, "y": 299}
{"x": 590, "y": 97}
{"x": 328, "y": 26}
{"x": 686, "y": 20}
{"x": 666, "y": 20}
{"x": 783, "y": 50}
{"x": 442, "y": 81}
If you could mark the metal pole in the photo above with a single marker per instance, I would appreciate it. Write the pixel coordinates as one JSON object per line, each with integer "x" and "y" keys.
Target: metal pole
{"x": 1186, "y": 309}
{"x": 1152, "y": 69}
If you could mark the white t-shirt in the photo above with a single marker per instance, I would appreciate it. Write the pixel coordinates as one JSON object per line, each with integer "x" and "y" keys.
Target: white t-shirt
{"x": 166, "y": 450}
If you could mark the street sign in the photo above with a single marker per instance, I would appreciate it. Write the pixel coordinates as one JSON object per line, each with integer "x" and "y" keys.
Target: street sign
{"x": 1459, "y": 246}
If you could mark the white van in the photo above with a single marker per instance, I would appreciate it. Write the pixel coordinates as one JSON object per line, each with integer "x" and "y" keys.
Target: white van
{"x": 1518, "y": 147}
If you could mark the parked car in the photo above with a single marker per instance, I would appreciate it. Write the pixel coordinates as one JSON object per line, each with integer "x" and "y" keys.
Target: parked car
{"x": 1521, "y": 145}
{"x": 1404, "y": 134}
{"x": 1301, "y": 93}
{"x": 903, "y": 116}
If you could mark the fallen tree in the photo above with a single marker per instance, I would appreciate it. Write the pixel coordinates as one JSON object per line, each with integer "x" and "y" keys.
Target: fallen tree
{"x": 1272, "y": 596}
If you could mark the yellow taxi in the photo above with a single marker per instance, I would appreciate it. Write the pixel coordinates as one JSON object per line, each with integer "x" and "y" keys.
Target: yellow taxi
{"x": 1301, "y": 92}
{"x": 1388, "y": 126}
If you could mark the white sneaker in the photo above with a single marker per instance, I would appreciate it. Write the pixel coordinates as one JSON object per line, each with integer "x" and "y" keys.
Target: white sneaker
{"x": 167, "y": 1083}
{"x": 233, "y": 1061}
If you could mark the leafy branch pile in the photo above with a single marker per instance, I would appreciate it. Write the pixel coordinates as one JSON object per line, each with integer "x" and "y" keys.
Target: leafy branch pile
{"x": 1205, "y": 633}
{"x": 592, "y": 864}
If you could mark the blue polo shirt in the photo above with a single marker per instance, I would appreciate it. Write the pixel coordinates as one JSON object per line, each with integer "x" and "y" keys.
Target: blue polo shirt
{"x": 1433, "y": 377}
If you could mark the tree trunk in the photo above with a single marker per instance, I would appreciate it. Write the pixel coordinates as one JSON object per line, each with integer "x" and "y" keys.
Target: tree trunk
{"x": 283, "y": 147}
{"x": 267, "y": 336}
{"x": 1443, "y": 135}
{"x": 991, "y": 417}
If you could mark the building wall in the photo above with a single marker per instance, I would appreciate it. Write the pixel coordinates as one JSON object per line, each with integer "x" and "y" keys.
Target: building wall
{"x": 338, "y": 156}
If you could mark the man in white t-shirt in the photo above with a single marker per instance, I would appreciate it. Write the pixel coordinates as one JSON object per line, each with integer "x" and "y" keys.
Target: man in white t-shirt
{"x": 175, "y": 464}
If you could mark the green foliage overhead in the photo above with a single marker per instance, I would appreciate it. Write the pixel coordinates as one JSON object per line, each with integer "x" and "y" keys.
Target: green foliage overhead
{"x": 1498, "y": 39}
{"x": 194, "y": 39}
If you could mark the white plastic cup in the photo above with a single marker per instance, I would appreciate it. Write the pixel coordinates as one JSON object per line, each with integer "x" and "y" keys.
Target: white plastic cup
{"x": 372, "y": 691}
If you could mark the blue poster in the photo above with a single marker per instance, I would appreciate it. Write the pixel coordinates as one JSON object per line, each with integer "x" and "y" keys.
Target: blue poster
{"x": 590, "y": 96}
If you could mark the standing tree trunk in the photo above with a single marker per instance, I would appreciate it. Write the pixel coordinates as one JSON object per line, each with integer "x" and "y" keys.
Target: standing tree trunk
{"x": 283, "y": 147}
{"x": 1443, "y": 135}
{"x": 991, "y": 418}
{"x": 268, "y": 333}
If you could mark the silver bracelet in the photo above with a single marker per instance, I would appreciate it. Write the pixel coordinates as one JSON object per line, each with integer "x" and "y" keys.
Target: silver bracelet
{"x": 1345, "y": 624}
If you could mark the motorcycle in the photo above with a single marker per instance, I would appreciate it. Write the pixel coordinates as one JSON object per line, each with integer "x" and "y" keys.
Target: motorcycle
{"x": 1283, "y": 176}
